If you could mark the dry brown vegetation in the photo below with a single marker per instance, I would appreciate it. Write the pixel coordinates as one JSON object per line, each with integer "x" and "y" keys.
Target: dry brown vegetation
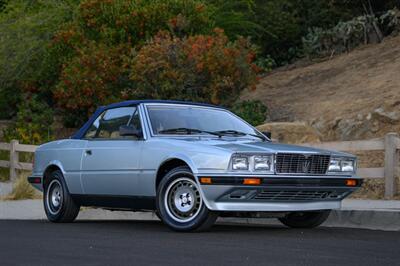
{"x": 22, "y": 189}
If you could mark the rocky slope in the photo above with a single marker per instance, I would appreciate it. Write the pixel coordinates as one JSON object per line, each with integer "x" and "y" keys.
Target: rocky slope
{"x": 351, "y": 96}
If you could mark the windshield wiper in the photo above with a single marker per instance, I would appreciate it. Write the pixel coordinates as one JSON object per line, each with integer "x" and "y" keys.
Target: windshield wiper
{"x": 189, "y": 131}
{"x": 184, "y": 130}
{"x": 239, "y": 133}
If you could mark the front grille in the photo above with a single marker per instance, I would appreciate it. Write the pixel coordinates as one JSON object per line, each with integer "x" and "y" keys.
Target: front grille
{"x": 298, "y": 195}
{"x": 294, "y": 163}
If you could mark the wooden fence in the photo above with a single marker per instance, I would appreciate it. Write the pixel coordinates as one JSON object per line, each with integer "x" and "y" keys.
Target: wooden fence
{"x": 390, "y": 144}
{"x": 14, "y": 164}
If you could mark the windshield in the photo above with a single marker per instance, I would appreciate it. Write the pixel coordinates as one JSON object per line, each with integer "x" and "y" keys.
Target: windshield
{"x": 194, "y": 119}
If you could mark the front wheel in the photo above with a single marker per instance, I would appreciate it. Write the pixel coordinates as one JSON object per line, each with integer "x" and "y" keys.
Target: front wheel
{"x": 305, "y": 219}
{"x": 180, "y": 204}
{"x": 58, "y": 203}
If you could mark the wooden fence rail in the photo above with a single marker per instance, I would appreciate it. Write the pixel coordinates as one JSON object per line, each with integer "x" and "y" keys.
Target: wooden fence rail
{"x": 14, "y": 164}
{"x": 390, "y": 144}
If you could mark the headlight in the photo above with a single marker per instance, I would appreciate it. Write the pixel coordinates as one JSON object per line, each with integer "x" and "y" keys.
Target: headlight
{"x": 334, "y": 165}
{"x": 249, "y": 162}
{"x": 342, "y": 165}
{"x": 262, "y": 163}
{"x": 347, "y": 165}
{"x": 240, "y": 163}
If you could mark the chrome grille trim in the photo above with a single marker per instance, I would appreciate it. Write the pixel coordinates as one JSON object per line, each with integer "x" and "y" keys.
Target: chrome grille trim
{"x": 297, "y": 163}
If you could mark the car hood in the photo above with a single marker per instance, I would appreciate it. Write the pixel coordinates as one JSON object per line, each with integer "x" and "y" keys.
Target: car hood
{"x": 246, "y": 146}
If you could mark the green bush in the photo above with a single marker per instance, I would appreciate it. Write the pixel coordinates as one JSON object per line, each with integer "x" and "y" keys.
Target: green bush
{"x": 33, "y": 124}
{"x": 254, "y": 112}
{"x": 27, "y": 28}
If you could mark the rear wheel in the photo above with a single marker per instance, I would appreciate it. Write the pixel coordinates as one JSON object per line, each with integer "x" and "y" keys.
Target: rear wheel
{"x": 58, "y": 203}
{"x": 305, "y": 219}
{"x": 180, "y": 204}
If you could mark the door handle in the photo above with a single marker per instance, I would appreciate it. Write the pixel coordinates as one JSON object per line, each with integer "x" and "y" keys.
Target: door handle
{"x": 88, "y": 152}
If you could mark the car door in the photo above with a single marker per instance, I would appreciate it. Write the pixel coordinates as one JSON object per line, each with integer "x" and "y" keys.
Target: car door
{"x": 110, "y": 163}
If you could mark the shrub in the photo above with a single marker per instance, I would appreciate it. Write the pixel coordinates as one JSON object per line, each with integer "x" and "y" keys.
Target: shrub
{"x": 345, "y": 36}
{"x": 95, "y": 50}
{"x": 95, "y": 76}
{"x": 33, "y": 124}
{"x": 135, "y": 21}
{"x": 21, "y": 189}
{"x": 205, "y": 68}
{"x": 26, "y": 31}
{"x": 254, "y": 112}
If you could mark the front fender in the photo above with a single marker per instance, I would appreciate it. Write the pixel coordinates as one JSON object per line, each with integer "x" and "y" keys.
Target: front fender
{"x": 181, "y": 157}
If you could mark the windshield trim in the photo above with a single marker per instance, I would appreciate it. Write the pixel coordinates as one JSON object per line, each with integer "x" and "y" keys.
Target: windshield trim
{"x": 150, "y": 128}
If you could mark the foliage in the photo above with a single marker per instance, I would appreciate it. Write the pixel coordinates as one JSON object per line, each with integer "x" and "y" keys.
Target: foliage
{"x": 26, "y": 28}
{"x": 266, "y": 64}
{"x": 235, "y": 17}
{"x": 95, "y": 49}
{"x": 206, "y": 68}
{"x": 254, "y": 112}
{"x": 135, "y": 21}
{"x": 3, "y": 4}
{"x": 95, "y": 76}
{"x": 33, "y": 122}
{"x": 345, "y": 35}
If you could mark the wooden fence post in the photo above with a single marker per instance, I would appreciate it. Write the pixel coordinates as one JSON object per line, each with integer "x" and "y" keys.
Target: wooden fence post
{"x": 14, "y": 159}
{"x": 391, "y": 163}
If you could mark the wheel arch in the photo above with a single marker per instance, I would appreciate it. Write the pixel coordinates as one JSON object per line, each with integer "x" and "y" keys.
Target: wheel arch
{"x": 171, "y": 163}
{"x": 51, "y": 167}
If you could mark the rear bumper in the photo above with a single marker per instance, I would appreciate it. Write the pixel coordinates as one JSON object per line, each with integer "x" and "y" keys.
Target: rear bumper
{"x": 36, "y": 182}
{"x": 276, "y": 194}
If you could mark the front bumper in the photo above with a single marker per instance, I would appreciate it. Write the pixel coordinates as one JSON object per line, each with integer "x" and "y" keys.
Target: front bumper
{"x": 276, "y": 194}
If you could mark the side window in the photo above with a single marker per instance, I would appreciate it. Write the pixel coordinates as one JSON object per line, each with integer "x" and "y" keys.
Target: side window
{"x": 106, "y": 126}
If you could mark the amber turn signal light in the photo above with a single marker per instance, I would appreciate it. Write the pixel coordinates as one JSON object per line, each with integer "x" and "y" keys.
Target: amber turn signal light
{"x": 351, "y": 182}
{"x": 251, "y": 181}
{"x": 205, "y": 180}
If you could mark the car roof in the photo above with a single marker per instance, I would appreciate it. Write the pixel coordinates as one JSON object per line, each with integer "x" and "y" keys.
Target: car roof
{"x": 136, "y": 102}
{"x": 82, "y": 131}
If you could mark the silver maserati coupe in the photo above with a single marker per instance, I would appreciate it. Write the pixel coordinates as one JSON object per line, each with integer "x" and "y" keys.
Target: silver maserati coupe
{"x": 190, "y": 163}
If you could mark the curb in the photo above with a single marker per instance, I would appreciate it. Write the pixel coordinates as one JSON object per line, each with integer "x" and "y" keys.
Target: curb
{"x": 387, "y": 219}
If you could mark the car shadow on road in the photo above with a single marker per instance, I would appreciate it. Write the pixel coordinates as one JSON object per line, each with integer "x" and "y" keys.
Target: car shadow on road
{"x": 156, "y": 225}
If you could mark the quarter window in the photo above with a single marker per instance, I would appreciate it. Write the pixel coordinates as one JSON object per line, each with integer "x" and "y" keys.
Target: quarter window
{"x": 106, "y": 126}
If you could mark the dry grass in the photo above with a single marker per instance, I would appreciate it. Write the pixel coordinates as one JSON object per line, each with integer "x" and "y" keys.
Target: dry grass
{"x": 22, "y": 189}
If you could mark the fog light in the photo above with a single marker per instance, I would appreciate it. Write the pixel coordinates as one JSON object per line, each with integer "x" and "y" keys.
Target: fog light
{"x": 251, "y": 181}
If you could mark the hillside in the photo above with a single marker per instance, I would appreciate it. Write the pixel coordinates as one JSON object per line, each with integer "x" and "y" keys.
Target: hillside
{"x": 351, "y": 96}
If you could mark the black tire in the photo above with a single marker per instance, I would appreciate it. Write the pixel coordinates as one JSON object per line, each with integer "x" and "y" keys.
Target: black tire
{"x": 305, "y": 219}
{"x": 58, "y": 203}
{"x": 197, "y": 217}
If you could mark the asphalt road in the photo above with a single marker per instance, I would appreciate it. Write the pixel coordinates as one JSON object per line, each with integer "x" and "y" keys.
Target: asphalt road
{"x": 151, "y": 243}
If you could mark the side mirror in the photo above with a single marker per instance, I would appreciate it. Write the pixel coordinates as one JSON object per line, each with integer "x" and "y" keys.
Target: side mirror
{"x": 267, "y": 134}
{"x": 125, "y": 131}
